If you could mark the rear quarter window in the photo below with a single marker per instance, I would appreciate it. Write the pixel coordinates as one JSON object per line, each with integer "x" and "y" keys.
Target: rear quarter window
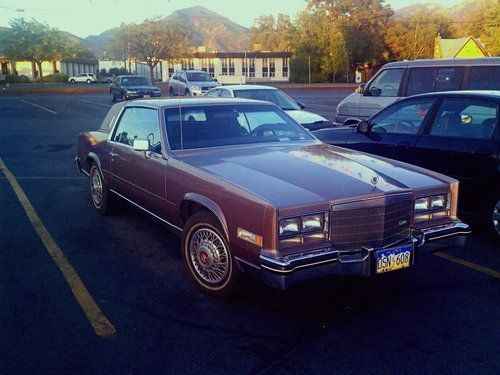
{"x": 484, "y": 78}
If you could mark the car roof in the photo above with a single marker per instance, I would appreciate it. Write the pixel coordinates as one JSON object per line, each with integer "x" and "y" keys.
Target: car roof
{"x": 465, "y": 94}
{"x": 129, "y": 75}
{"x": 191, "y": 71}
{"x": 187, "y": 102}
{"x": 444, "y": 62}
{"x": 249, "y": 87}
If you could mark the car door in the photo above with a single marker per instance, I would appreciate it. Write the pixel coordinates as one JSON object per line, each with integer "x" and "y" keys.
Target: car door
{"x": 462, "y": 142}
{"x": 394, "y": 131}
{"x": 382, "y": 91}
{"x": 139, "y": 175}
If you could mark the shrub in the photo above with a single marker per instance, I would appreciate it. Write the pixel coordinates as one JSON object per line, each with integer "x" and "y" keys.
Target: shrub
{"x": 118, "y": 71}
{"x": 12, "y": 78}
{"x": 54, "y": 78}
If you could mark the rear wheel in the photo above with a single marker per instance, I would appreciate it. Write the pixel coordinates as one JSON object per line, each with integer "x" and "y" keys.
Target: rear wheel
{"x": 71, "y": 81}
{"x": 208, "y": 256}
{"x": 99, "y": 191}
{"x": 187, "y": 93}
{"x": 88, "y": 81}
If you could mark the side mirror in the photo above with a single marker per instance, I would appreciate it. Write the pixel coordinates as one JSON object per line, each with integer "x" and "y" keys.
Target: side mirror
{"x": 215, "y": 80}
{"x": 301, "y": 105}
{"x": 363, "y": 127}
{"x": 141, "y": 145}
{"x": 360, "y": 88}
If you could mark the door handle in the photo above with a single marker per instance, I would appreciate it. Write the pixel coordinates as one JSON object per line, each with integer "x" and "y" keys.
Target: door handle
{"x": 405, "y": 145}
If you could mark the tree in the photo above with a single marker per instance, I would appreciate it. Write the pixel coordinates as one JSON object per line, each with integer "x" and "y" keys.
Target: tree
{"x": 120, "y": 48}
{"x": 336, "y": 58}
{"x": 363, "y": 24}
{"x": 414, "y": 37}
{"x": 484, "y": 23}
{"x": 156, "y": 39}
{"x": 274, "y": 34}
{"x": 33, "y": 41}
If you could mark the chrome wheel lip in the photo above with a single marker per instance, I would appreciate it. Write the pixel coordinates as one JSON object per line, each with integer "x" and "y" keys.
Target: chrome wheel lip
{"x": 496, "y": 217}
{"x": 209, "y": 256}
{"x": 96, "y": 187}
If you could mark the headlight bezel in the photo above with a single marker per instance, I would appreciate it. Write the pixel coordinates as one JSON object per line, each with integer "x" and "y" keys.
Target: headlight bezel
{"x": 301, "y": 228}
{"x": 427, "y": 208}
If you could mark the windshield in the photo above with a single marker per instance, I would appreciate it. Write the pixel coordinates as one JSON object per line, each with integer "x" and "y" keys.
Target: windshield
{"x": 223, "y": 125}
{"x": 135, "y": 81}
{"x": 277, "y": 97}
{"x": 199, "y": 77}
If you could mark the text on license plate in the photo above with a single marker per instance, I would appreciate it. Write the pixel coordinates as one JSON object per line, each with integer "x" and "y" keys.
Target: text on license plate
{"x": 393, "y": 259}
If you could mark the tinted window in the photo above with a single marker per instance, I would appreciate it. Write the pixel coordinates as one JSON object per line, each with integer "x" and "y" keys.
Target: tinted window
{"x": 225, "y": 93}
{"x": 484, "y": 78}
{"x": 139, "y": 123}
{"x": 212, "y": 93}
{"x": 386, "y": 83}
{"x": 221, "y": 125}
{"x": 402, "y": 118}
{"x": 135, "y": 81}
{"x": 277, "y": 97}
{"x": 465, "y": 119}
{"x": 199, "y": 77}
{"x": 449, "y": 79}
{"x": 421, "y": 80}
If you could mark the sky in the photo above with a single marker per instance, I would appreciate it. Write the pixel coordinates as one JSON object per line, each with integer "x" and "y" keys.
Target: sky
{"x": 91, "y": 17}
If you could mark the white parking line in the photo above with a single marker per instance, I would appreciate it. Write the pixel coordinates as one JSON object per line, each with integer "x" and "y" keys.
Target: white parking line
{"x": 39, "y": 106}
{"x": 87, "y": 101}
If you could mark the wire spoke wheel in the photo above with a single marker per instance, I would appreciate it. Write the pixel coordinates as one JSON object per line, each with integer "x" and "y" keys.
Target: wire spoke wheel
{"x": 209, "y": 256}
{"x": 496, "y": 217}
{"x": 96, "y": 187}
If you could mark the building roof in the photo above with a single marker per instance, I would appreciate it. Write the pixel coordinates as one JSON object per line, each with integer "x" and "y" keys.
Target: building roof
{"x": 249, "y": 54}
{"x": 450, "y": 48}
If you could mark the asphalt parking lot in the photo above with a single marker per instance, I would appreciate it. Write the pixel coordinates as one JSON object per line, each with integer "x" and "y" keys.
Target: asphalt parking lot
{"x": 441, "y": 316}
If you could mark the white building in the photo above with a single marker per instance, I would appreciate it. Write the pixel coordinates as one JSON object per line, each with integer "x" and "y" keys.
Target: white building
{"x": 227, "y": 67}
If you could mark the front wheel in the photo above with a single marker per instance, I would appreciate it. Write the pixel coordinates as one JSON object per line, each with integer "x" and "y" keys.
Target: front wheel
{"x": 187, "y": 93}
{"x": 99, "y": 191}
{"x": 495, "y": 216}
{"x": 112, "y": 97}
{"x": 208, "y": 256}
{"x": 88, "y": 81}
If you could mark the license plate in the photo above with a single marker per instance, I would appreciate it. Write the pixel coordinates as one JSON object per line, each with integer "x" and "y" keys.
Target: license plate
{"x": 147, "y": 96}
{"x": 393, "y": 259}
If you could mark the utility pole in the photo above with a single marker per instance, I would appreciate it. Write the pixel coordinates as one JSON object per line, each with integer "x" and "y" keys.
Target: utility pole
{"x": 309, "y": 69}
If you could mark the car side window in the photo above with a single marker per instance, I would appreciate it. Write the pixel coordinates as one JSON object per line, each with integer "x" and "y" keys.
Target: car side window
{"x": 213, "y": 93}
{"x": 421, "y": 81}
{"x": 449, "y": 79}
{"x": 465, "y": 119}
{"x": 484, "y": 78}
{"x": 225, "y": 93}
{"x": 402, "y": 118}
{"x": 386, "y": 83}
{"x": 139, "y": 123}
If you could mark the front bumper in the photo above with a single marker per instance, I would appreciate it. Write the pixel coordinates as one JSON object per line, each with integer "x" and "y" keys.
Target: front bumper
{"x": 283, "y": 272}
{"x": 138, "y": 95}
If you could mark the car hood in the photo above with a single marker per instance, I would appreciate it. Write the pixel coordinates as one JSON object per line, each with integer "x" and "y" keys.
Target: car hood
{"x": 293, "y": 175}
{"x": 203, "y": 84}
{"x": 139, "y": 87}
{"x": 304, "y": 117}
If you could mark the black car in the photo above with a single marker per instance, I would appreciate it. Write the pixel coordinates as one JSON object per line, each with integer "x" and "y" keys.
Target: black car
{"x": 454, "y": 133}
{"x": 132, "y": 87}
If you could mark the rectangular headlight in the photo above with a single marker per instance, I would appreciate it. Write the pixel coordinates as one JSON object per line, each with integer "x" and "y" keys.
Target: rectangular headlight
{"x": 438, "y": 202}
{"x": 312, "y": 222}
{"x": 289, "y": 226}
{"x": 422, "y": 204}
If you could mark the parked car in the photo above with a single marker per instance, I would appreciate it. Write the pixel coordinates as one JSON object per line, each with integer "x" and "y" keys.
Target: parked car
{"x": 294, "y": 109}
{"x": 191, "y": 83}
{"x": 249, "y": 189}
{"x": 106, "y": 78}
{"x": 455, "y": 133}
{"x": 132, "y": 87}
{"x": 406, "y": 78}
{"x": 83, "y": 78}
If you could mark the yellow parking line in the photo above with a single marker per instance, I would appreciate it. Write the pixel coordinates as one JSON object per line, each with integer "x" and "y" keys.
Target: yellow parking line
{"x": 86, "y": 101}
{"x": 102, "y": 326}
{"x": 476, "y": 267}
{"x": 39, "y": 106}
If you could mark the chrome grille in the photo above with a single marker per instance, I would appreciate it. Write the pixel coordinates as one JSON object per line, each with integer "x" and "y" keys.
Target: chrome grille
{"x": 372, "y": 223}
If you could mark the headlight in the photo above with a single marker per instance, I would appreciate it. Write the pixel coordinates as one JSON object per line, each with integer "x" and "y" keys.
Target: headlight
{"x": 195, "y": 88}
{"x": 289, "y": 226}
{"x": 156, "y": 89}
{"x": 131, "y": 92}
{"x": 312, "y": 222}
{"x": 303, "y": 224}
{"x": 431, "y": 207}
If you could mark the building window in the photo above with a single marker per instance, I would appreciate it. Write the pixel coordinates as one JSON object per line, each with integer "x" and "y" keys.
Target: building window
{"x": 204, "y": 65}
{"x": 264, "y": 67}
{"x": 184, "y": 64}
{"x": 272, "y": 67}
{"x": 251, "y": 63}
{"x": 191, "y": 64}
{"x": 231, "y": 67}
{"x": 211, "y": 69}
{"x": 285, "y": 67}
{"x": 224, "y": 67}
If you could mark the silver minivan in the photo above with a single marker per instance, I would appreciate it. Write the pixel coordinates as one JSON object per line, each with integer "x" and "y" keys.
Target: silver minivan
{"x": 406, "y": 78}
{"x": 191, "y": 83}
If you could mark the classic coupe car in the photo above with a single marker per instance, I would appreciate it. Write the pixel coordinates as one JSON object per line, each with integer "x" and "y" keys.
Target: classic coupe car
{"x": 249, "y": 190}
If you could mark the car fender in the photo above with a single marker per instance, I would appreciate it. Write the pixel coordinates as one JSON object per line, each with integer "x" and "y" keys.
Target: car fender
{"x": 209, "y": 205}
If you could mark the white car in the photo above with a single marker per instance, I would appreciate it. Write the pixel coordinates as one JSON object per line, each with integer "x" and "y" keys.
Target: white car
{"x": 294, "y": 109}
{"x": 83, "y": 77}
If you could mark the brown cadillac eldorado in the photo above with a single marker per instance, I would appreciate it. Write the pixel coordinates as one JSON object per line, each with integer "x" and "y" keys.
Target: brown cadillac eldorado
{"x": 250, "y": 190}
